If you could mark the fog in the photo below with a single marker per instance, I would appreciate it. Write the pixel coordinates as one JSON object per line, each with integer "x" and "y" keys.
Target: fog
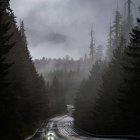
{"x": 56, "y": 28}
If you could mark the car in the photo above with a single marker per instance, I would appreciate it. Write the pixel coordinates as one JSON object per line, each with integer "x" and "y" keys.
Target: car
{"x": 50, "y": 135}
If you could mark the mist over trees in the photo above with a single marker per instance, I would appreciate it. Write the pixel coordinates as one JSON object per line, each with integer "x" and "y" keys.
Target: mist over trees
{"x": 70, "y": 72}
{"x": 112, "y": 109}
{"x": 115, "y": 34}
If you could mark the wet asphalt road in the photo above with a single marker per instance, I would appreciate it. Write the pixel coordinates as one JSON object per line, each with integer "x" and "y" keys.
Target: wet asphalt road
{"x": 62, "y": 129}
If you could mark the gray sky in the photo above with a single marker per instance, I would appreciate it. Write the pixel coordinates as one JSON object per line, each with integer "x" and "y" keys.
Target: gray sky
{"x": 56, "y": 28}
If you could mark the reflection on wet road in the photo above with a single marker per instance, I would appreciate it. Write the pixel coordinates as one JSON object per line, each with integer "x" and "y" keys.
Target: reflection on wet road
{"x": 61, "y": 128}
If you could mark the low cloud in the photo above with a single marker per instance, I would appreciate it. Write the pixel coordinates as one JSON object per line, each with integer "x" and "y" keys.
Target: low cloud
{"x": 65, "y": 24}
{"x": 36, "y": 38}
{"x": 56, "y": 38}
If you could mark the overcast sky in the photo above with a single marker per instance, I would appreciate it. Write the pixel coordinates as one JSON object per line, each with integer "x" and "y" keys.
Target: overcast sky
{"x": 56, "y": 28}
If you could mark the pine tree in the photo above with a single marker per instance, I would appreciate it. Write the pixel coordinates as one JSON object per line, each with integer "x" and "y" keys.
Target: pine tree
{"x": 106, "y": 109}
{"x": 5, "y": 47}
{"x": 92, "y": 48}
{"x": 128, "y": 22}
{"x": 86, "y": 97}
{"x": 26, "y": 96}
{"x": 98, "y": 97}
{"x": 115, "y": 34}
{"x": 23, "y": 94}
{"x": 130, "y": 100}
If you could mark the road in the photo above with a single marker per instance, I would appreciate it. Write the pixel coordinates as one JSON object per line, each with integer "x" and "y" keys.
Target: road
{"x": 62, "y": 128}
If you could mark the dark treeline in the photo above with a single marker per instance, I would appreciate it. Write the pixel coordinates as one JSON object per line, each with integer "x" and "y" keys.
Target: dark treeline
{"x": 23, "y": 94}
{"x": 107, "y": 103}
